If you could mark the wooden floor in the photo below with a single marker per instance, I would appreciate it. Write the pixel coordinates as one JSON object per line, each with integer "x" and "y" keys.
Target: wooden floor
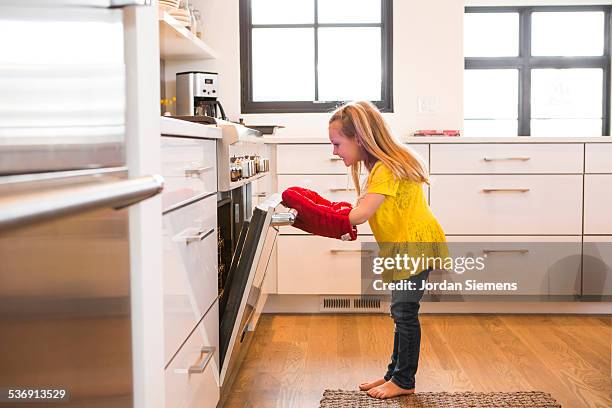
{"x": 293, "y": 358}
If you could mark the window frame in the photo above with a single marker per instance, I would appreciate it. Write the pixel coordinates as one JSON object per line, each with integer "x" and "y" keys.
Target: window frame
{"x": 525, "y": 62}
{"x": 247, "y": 104}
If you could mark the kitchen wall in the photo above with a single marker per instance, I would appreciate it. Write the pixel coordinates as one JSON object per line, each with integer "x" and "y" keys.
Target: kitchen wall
{"x": 427, "y": 63}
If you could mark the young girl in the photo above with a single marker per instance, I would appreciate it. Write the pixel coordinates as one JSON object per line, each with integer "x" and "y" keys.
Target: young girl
{"x": 394, "y": 204}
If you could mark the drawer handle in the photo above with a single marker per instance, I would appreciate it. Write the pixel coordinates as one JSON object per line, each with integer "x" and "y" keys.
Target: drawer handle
{"x": 509, "y": 251}
{"x": 262, "y": 195}
{"x": 490, "y": 159}
{"x": 189, "y": 239}
{"x": 341, "y": 189}
{"x": 337, "y": 251}
{"x": 336, "y": 158}
{"x": 199, "y": 368}
{"x": 198, "y": 171}
{"x": 507, "y": 190}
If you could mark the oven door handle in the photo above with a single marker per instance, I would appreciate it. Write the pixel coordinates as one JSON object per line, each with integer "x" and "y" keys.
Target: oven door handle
{"x": 284, "y": 218}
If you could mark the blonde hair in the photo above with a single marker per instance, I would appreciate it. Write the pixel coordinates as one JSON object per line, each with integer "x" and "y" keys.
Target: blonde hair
{"x": 362, "y": 121}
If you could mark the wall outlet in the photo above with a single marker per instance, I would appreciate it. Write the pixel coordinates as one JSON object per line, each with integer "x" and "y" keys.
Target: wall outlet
{"x": 427, "y": 105}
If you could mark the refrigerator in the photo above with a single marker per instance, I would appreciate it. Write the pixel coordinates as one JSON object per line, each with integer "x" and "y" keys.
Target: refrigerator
{"x": 66, "y": 330}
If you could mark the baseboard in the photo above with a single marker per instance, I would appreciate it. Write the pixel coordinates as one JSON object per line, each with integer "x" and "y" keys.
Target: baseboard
{"x": 277, "y": 304}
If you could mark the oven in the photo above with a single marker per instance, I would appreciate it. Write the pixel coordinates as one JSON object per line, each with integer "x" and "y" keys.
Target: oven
{"x": 241, "y": 294}
{"x": 246, "y": 235}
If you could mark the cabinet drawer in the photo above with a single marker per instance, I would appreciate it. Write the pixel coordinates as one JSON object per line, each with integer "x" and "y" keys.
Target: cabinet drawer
{"x": 189, "y": 167}
{"x": 319, "y": 158}
{"x": 598, "y": 204}
{"x": 597, "y": 266}
{"x": 598, "y": 158}
{"x": 508, "y": 205}
{"x": 189, "y": 268}
{"x": 192, "y": 378}
{"x": 537, "y": 265}
{"x": 507, "y": 158}
{"x": 337, "y": 269}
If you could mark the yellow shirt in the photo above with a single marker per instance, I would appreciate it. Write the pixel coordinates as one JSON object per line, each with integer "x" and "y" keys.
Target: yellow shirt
{"x": 404, "y": 222}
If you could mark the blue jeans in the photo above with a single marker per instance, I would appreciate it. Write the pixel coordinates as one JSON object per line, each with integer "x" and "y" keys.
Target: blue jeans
{"x": 407, "y": 336}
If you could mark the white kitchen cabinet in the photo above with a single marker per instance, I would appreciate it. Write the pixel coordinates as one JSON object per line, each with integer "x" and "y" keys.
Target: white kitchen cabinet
{"x": 493, "y": 193}
{"x": 319, "y": 158}
{"x": 598, "y": 158}
{"x": 189, "y": 168}
{"x": 192, "y": 378}
{"x": 508, "y": 204}
{"x": 597, "y": 267}
{"x": 598, "y": 204}
{"x": 318, "y": 265}
{"x": 538, "y": 265}
{"x": 504, "y": 158}
{"x": 308, "y": 159}
{"x": 422, "y": 150}
{"x": 190, "y": 269}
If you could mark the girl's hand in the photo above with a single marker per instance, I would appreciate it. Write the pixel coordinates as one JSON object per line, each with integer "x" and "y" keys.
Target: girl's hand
{"x": 365, "y": 208}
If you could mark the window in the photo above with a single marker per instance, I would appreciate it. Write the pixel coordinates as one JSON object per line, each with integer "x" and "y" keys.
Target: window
{"x": 537, "y": 71}
{"x": 311, "y": 55}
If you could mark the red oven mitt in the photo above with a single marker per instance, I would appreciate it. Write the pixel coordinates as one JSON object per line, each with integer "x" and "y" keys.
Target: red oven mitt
{"x": 319, "y": 216}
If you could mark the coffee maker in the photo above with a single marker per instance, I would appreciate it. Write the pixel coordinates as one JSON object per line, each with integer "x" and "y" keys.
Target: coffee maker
{"x": 196, "y": 94}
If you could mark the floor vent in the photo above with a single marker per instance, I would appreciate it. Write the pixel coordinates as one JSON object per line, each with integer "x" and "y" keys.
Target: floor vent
{"x": 336, "y": 303}
{"x": 371, "y": 303}
{"x": 350, "y": 304}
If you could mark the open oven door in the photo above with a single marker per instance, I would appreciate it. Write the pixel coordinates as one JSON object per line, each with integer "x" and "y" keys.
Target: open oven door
{"x": 247, "y": 273}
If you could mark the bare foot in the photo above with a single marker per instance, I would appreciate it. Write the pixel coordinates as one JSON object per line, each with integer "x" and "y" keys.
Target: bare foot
{"x": 388, "y": 390}
{"x": 368, "y": 385}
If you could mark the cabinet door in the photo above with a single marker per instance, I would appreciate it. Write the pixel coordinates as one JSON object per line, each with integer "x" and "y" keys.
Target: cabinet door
{"x": 598, "y": 204}
{"x": 192, "y": 378}
{"x": 597, "y": 266}
{"x": 189, "y": 167}
{"x": 190, "y": 269}
{"x": 496, "y": 158}
{"x": 316, "y": 265}
{"x": 319, "y": 158}
{"x": 536, "y": 265}
{"x": 508, "y": 204}
{"x": 598, "y": 158}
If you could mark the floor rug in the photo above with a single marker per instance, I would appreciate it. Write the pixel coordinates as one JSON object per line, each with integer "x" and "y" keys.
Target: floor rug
{"x": 517, "y": 399}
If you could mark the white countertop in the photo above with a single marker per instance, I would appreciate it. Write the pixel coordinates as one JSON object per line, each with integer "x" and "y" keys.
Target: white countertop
{"x": 453, "y": 139}
{"x": 177, "y": 127}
